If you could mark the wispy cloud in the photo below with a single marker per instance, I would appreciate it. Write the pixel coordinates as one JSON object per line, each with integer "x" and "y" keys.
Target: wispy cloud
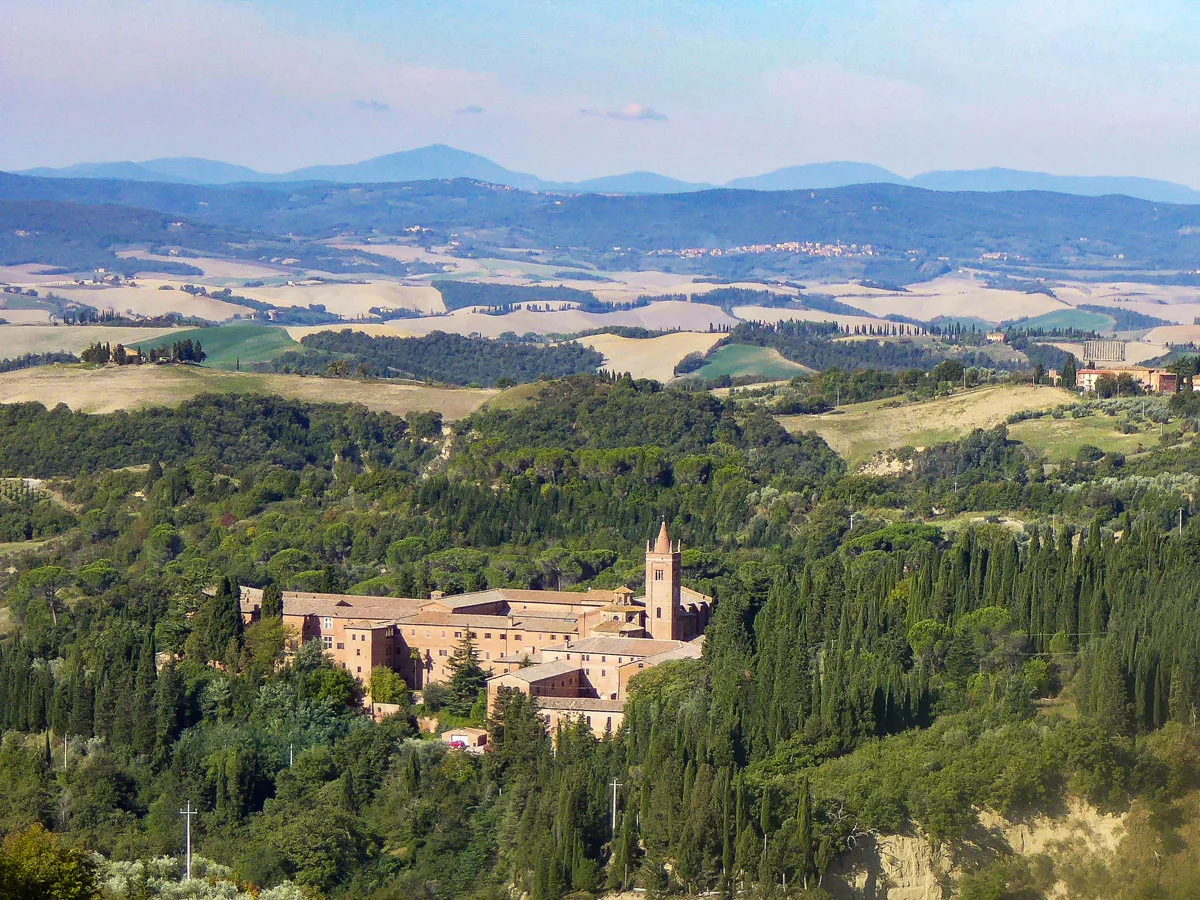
{"x": 631, "y": 112}
{"x": 372, "y": 106}
{"x": 469, "y": 111}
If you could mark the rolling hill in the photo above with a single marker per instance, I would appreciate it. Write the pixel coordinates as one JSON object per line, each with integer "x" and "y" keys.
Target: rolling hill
{"x": 439, "y": 161}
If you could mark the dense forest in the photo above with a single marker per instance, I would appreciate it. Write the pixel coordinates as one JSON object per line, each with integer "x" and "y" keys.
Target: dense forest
{"x": 871, "y": 668}
{"x": 441, "y": 357}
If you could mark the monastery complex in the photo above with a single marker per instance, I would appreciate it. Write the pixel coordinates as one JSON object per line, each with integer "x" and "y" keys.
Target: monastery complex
{"x": 574, "y": 651}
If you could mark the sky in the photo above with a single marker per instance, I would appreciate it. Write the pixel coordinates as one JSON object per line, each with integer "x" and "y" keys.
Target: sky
{"x": 699, "y": 90}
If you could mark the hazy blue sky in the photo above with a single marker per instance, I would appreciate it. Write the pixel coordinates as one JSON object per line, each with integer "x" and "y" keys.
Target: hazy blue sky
{"x": 698, "y": 90}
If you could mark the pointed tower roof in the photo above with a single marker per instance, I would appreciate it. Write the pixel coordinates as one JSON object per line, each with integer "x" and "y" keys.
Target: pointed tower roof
{"x": 663, "y": 544}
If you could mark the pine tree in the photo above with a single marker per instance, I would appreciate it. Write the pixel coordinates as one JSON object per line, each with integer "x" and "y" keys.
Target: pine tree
{"x": 272, "y": 602}
{"x": 223, "y": 622}
{"x": 467, "y": 678}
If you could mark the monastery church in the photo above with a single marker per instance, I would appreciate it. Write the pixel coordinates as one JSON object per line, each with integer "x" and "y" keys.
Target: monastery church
{"x": 574, "y": 651}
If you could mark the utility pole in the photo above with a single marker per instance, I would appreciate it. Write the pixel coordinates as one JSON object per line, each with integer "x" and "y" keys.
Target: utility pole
{"x": 614, "y": 785}
{"x": 291, "y": 747}
{"x": 187, "y": 814}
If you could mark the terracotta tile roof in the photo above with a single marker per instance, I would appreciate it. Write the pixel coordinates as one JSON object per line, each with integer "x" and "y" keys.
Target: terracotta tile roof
{"x": 580, "y": 704}
{"x": 617, "y": 646}
{"x": 542, "y": 671}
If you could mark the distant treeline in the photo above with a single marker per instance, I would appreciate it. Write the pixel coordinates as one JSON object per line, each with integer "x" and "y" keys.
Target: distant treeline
{"x": 441, "y": 357}
{"x": 30, "y": 360}
{"x": 507, "y": 297}
{"x": 1125, "y": 319}
{"x": 809, "y": 344}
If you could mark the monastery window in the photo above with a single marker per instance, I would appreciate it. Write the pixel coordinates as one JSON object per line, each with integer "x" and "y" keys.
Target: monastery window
{"x": 327, "y": 640}
{"x": 589, "y": 719}
{"x": 487, "y": 635}
{"x": 327, "y": 622}
{"x": 353, "y": 637}
{"x": 359, "y": 670}
{"x": 516, "y": 637}
{"x": 603, "y": 659}
{"x": 357, "y": 652}
{"x": 443, "y": 634}
{"x": 658, "y": 612}
{"x": 458, "y": 634}
{"x": 414, "y": 632}
{"x": 603, "y": 672}
{"x": 609, "y": 724}
{"x": 472, "y": 634}
{"x": 658, "y": 574}
{"x": 441, "y": 653}
{"x": 341, "y": 646}
{"x": 641, "y": 665}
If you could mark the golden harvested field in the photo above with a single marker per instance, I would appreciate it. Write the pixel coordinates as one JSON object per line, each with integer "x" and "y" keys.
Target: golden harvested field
{"x": 17, "y": 340}
{"x": 147, "y": 300}
{"x": 132, "y": 387}
{"x": 859, "y": 431}
{"x": 25, "y": 316}
{"x": 1136, "y": 352}
{"x": 1174, "y": 334}
{"x": 950, "y": 295}
{"x": 213, "y": 267}
{"x": 649, "y": 357}
{"x": 352, "y": 299}
{"x": 666, "y": 314}
{"x": 773, "y": 314}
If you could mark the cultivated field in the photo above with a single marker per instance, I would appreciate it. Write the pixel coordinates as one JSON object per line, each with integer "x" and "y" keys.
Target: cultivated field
{"x": 214, "y": 267}
{"x": 735, "y": 360}
{"x": 859, "y": 431}
{"x": 346, "y": 299}
{"x": 951, "y": 295}
{"x": 649, "y": 357}
{"x": 17, "y": 340}
{"x": 146, "y": 299}
{"x": 225, "y": 346}
{"x": 773, "y": 314}
{"x": 1136, "y": 352}
{"x": 661, "y": 315}
{"x": 1174, "y": 334}
{"x": 133, "y": 387}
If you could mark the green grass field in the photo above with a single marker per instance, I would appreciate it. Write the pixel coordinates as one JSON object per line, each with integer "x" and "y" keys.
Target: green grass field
{"x": 1061, "y": 439}
{"x": 226, "y": 345}
{"x": 1072, "y": 318}
{"x": 735, "y": 360}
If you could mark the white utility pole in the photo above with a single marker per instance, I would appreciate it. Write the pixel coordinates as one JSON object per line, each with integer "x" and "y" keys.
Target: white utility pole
{"x": 614, "y": 785}
{"x": 187, "y": 814}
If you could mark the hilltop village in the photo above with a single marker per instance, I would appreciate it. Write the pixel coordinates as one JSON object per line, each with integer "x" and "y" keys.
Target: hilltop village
{"x": 574, "y": 651}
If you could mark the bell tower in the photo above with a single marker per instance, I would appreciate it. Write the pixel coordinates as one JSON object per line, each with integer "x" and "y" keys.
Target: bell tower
{"x": 662, "y": 587}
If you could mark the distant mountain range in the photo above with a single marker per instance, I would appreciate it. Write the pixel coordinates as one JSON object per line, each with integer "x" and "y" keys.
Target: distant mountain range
{"x": 439, "y": 161}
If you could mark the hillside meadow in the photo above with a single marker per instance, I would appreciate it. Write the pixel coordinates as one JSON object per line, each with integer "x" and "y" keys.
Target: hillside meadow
{"x": 858, "y": 431}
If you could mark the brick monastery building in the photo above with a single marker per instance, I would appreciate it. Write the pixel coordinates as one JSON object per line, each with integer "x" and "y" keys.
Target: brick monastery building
{"x": 574, "y": 651}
